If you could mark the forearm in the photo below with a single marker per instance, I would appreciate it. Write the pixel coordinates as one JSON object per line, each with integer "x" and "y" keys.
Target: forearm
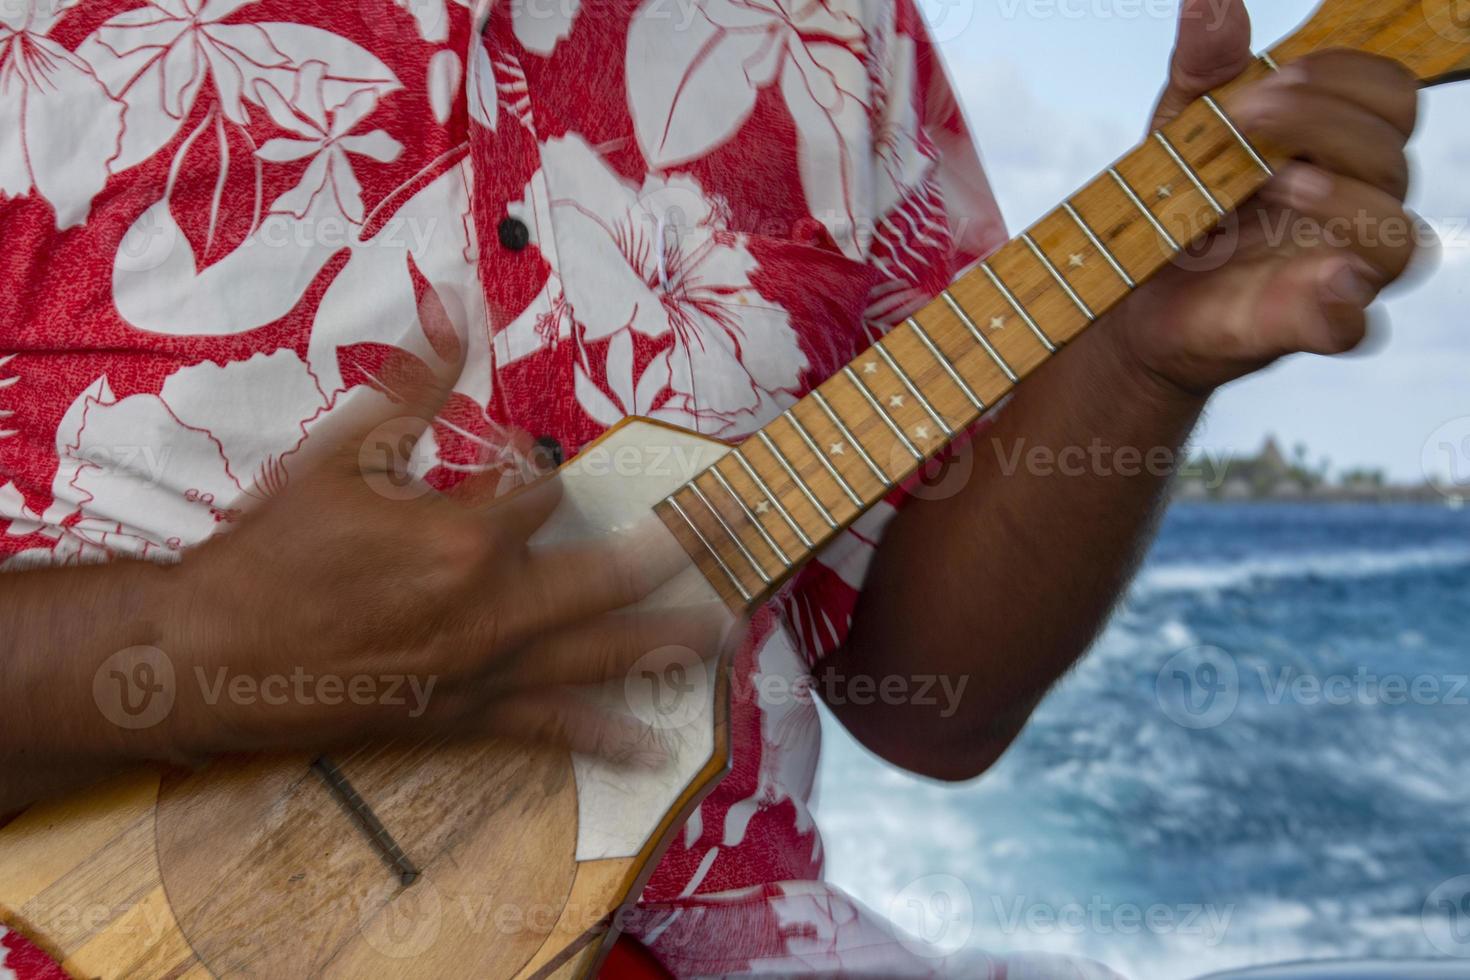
{"x": 60, "y": 625}
{"x": 1003, "y": 585}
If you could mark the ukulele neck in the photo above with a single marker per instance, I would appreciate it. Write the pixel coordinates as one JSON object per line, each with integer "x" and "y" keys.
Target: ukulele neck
{"x": 767, "y": 506}
{"x": 758, "y": 514}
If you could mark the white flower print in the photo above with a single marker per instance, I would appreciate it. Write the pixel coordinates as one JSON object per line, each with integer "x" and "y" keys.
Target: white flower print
{"x": 60, "y": 126}
{"x": 431, "y": 17}
{"x": 658, "y": 262}
{"x": 726, "y": 51}
{"x": 540, "y": 24}
{"x": 182, "y": 42}
{"x": 326, "y": 136}
{"x": 159, "y": 58}
{"x": 148, "y": 475}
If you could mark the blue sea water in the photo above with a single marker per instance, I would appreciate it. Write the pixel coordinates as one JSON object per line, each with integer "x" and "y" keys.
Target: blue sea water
{"x": 1263, "y": 758}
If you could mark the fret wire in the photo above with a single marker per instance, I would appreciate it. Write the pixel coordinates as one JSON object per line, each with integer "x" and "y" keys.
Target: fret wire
{"x": 785, "y": 465}
{"x": 1143, "y": 208}
{"x": 775, "y": 500}
{"x": 1209, "y": 100}
{"x": 710, "y": 548}
{"x": 975, "y": 331}
{"x": 811, "y": 445}
{"x": 944, "y": 363}
{"x": 766, "y": 537}
{"x": 759, "y": 571}
{"x": 882, "y": 412}
{"x": 1269, "y": 61}
{"x": 913, "y": 390}
{"x": 1097, "y": 243}
{"x": 843, "y": 430}
{"x": 1015, "y": 303}
{"x": 1189, "y": 171}
{"x": 1057, "y": 275}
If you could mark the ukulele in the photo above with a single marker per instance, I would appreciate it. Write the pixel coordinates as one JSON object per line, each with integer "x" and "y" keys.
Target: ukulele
{"x": 492, "y": 859}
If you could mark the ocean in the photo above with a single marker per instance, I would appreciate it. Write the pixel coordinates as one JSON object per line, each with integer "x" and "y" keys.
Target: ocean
{"x": 1262, "y": 759}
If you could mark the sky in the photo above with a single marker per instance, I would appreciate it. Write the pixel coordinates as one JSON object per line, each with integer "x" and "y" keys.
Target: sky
{"x": 1055, "y": 90}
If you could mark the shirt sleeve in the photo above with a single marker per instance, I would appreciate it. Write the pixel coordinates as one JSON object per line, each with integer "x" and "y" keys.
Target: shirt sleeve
{"x": 935, "y": 214}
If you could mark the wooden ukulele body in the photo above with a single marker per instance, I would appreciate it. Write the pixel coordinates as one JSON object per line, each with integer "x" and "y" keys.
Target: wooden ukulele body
{"x": 252, "y": 867}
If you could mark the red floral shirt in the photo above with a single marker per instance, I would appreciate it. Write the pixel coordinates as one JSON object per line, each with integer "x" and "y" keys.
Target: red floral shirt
{"x": 219, "y": 214}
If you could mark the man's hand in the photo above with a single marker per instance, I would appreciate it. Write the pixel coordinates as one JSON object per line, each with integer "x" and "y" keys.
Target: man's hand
{"x": 336, "y": 577}
{"x": 346, "y": 574}
{"x": 1345, "y": 118}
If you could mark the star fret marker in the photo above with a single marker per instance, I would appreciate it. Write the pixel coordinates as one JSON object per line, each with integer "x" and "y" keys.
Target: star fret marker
{"x": 997, "y": 322}
{"x": 870, "y": 367}
{"x": 761, "y": 507}
{"x": 895, "y": 401}
{"x": 836, "y": 449}
{"x": 1075, "y": 260}
{"x": 1165, "y": 191}
{"x": 921, "y": 432}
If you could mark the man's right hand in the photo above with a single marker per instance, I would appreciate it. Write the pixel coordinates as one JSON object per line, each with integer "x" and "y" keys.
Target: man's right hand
{"x": 348, "y": 574}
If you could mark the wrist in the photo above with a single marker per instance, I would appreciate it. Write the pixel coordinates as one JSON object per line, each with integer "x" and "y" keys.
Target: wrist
{"x": 1144, "y": 378}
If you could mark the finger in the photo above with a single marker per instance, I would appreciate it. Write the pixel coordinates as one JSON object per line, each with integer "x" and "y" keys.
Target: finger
{"x": 1212, "y": 46}
{"x": 583, "y": 579}
{"x": 609, "y": 647}
{"x": 506, "y": 459}
{"x": 1329, "y": 131}
{"x": 570, "y": 720}
{"x": 1380, "y": 85}
{"x": 1318, "y": 303}
{"x": 1343, "y": 213}
{"x": 517, "y": 516}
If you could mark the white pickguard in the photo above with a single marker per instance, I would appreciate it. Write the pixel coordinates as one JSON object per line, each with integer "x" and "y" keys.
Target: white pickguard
{"x": 612, "y": 486}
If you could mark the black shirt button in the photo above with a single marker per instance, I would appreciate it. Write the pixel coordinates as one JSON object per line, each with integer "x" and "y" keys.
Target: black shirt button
{"x": 513, "y": 233}
{"x": 548, "y": 450}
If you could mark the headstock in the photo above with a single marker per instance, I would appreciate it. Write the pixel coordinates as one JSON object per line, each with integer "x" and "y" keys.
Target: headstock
{"x": 1430, "y": 37}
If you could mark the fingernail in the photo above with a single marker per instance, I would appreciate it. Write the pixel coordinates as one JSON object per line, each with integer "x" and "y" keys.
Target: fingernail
{"x": 1349, "y": 284}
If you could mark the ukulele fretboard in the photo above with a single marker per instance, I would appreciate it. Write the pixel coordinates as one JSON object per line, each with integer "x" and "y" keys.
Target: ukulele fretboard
{"x": 764, "y": 508}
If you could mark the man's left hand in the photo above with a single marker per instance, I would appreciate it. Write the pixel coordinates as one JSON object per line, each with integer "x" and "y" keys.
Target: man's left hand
{"x": 1345, "y": 118}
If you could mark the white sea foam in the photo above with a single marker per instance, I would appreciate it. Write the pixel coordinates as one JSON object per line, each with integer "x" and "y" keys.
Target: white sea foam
{"x": 1347, "y": 564}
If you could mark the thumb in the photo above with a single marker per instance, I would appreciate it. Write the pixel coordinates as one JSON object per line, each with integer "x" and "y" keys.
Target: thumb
{"x": 1212, "y": 46}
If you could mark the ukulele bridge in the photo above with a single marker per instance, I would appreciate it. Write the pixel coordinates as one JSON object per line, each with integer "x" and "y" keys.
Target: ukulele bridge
{"x": 382, "y": 841}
